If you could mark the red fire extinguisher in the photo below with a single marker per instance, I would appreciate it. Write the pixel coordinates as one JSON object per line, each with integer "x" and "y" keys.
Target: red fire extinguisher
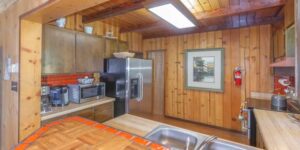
{"x": 237, "y": 76}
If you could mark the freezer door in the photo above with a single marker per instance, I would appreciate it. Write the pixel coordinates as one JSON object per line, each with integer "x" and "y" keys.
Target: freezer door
{"x": 139, "y": 85}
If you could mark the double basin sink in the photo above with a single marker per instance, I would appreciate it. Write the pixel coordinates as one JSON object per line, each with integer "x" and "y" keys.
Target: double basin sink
{"x": 180, "y": 139}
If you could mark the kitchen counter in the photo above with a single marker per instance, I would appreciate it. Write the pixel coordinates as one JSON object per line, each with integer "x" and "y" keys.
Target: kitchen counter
{"x": 141, "y": 127}
{"x": 277, "y": 130}
{"x": 133, "y": 124}
{"x": 265, "y": 104}
{"x": 122, "y": 133}
{"x": 83, "y": 134}
{"x": 72, "y": 107}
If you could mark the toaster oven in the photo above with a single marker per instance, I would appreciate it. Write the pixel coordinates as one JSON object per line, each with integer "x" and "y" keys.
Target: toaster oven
{"x": 83, "y": 93}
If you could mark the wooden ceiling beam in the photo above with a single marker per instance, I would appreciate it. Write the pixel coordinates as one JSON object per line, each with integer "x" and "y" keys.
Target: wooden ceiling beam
{"x": 238, "y": 9}
{"x": 262, "y": 21}
{"x": 142, "y": 27}
{"x": 114, "y": 11}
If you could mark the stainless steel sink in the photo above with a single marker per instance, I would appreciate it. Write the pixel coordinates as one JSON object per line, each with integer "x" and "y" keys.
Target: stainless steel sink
{"x": 174, "y": 138}
{"x": 224, "y": 145}
{"x": 180, "y": 139}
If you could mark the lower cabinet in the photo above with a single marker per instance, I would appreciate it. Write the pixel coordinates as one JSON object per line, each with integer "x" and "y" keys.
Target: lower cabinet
{"x": 259, "y": 139}
{"x": 99, "y": 113}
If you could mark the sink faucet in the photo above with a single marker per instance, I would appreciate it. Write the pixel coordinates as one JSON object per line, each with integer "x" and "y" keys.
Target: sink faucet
{"x": 187, "y": 143}
{"x": 206, "y": 142}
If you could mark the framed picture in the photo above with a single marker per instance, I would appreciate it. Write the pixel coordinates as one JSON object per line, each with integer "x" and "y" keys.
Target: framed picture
{"x": 204, "y": 69}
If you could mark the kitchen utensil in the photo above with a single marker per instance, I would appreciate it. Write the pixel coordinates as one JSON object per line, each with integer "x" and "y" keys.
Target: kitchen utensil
{"x": 279, "y": 102}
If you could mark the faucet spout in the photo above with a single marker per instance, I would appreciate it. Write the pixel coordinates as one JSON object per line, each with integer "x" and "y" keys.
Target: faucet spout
{"x": 207, "y": 141}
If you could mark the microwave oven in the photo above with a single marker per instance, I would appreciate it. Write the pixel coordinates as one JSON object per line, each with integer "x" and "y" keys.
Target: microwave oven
{"x": 79, "y": 93}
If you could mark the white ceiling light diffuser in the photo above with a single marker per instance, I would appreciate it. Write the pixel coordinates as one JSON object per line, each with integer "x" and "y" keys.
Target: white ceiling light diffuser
{"x": 172, "y": 15}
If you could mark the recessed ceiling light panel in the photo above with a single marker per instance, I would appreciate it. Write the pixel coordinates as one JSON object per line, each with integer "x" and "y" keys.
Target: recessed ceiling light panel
{"x": 172, "y": 15}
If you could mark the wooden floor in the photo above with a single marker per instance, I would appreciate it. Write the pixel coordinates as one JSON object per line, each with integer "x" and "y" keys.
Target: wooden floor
{"x": 221, "y": 133}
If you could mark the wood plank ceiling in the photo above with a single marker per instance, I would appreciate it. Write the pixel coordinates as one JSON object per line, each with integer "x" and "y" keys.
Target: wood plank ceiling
{"x": 132, "y": 16}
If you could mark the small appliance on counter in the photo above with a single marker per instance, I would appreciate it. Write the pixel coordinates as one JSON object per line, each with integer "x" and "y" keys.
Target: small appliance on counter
{"x": 59, "y": 96}
{"x": 279, "y": 102}
{"x": 80, "y": 93}
{"x": 45, "y": 99}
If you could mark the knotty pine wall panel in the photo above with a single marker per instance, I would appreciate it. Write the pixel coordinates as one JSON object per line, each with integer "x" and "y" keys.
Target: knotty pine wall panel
{"x": 249, "y": 48}
{"x": 11, "y": 48}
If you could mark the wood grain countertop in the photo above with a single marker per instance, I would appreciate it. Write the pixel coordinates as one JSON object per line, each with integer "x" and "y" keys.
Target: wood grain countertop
{"x": 141, "y": 127}
{"x": 72, "y": 107}
{"x": 278, "y": 131}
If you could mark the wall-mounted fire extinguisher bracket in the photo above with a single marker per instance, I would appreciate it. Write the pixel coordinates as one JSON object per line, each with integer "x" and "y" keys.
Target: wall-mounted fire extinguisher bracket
{"x": 237, "y": 76}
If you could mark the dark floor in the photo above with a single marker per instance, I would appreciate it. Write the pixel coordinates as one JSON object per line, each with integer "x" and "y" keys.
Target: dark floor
{"x": 221, "y": 133}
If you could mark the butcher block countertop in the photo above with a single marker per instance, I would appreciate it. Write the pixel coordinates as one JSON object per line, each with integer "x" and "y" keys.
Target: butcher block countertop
{"x": 278, "y": 131}
{"x": 133, "y": 124}
{"x": 141, "y": 127}
{"x": 72, "y": 107}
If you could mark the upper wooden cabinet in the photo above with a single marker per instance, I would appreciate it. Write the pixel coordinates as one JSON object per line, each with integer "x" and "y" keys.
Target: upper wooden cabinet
{"x": 89, "y": 53}
{"x": 58, "y": 54}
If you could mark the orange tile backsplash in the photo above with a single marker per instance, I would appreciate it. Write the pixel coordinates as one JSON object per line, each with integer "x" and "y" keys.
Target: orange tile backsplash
{"x": 61, "y": 80}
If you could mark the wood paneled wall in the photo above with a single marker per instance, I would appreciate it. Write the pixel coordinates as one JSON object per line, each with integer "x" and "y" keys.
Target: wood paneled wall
{"x": 249, "y": 48}
{"x": 279, "y": 40}
{"x": 10, "y": 99}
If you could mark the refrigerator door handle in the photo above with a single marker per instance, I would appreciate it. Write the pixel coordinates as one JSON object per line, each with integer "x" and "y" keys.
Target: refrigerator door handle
{"x": 141, "y": 88}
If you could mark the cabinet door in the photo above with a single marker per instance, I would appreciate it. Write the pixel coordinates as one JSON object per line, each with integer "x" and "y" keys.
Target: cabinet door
{"x": 58, "y": 54}
{"x": 87, "y": 113}
{"x": 104, "y": 112}
{"x": 89, "y": 53}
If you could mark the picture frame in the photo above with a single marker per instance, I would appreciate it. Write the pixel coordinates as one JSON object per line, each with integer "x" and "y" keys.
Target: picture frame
{"x": 204, "y": 69}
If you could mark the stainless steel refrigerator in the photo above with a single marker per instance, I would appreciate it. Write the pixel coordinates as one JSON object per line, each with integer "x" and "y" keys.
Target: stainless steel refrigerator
{"x": 130, "y": 82}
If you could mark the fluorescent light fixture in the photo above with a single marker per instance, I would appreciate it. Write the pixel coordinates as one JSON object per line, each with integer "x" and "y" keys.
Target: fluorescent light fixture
{"x": 172, "y": 15}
